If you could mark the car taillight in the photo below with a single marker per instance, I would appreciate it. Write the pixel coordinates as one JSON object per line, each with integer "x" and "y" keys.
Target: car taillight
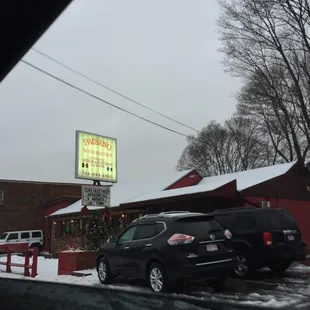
{"x": 180, "y": 239}
{"x": 227, "y": 234}
{"x": 267, "y": 239}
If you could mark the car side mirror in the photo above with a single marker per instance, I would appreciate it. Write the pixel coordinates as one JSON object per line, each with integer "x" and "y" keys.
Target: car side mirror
{"x": 113, "y": 239}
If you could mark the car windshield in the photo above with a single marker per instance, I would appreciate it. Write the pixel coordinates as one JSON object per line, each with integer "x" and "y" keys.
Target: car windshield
{"x": 3, "y": 236}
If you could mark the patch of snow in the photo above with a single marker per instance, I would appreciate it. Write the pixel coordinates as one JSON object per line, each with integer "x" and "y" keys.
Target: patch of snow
{"x": 244, "y": 180}
{"x": 178, "y": 192}
{"x": 73, "y": 250}
{"x": 301, "y": 267}
{"x": 249, "y": 178}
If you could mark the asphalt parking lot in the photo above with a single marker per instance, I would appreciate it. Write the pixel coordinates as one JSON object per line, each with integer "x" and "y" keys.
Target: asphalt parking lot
{"x": 292, "y": 290}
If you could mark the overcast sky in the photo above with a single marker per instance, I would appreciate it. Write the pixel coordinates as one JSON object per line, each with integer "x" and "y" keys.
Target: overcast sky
{"x": 160, "y": 53}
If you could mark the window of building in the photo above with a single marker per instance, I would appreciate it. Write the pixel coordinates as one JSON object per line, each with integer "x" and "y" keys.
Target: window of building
{"x": 1, "y": 196}
{"x": 25, "y": 235}
{"x": 72, "y": 228}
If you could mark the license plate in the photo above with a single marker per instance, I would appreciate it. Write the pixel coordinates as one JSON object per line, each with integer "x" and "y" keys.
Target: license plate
{"x": 291, "y": 238}
{"x": 212, "y": 247}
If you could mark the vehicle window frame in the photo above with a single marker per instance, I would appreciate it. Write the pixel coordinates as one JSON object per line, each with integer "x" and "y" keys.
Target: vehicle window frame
{"x": 232, "y": 219}
{"x": 145, "y": 224}
{"x": 34, "y": 232}
{"x": 151, "y": 223}
{"x": 240, "y": 231}
{"x": 5, "y": 237}
{"x": 25, "y": 232}
{"x": 8, "y": 238}
{"x": 269, "y": 222}
{"x": 124, "y": 232}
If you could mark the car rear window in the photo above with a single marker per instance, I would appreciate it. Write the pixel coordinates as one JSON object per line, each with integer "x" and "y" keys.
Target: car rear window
{"x": 225, "y": 220}
{"x": 36, "y": 234}
{"x": 280, "y": 220}
{"x": 197, "y": 225}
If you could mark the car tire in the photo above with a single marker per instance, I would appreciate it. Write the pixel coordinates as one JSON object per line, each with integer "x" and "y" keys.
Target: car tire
{"x": 104, "y": 271}
{"x": 244, "y": 265}
{"x": 279, "y": 268}
{"x": 217, "y": 282}
{"x": 157, "y": 278}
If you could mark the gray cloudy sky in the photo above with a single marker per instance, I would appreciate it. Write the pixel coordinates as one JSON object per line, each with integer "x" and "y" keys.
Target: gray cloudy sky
{"x": 161, "y": 53}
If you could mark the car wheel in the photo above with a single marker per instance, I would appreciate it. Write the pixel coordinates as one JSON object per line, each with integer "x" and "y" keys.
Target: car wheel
{"x": 242, "y": 269}
{"x": 279, "y": 268}
{"x": 157, "y": 278}
{"x": 104, "y": 273}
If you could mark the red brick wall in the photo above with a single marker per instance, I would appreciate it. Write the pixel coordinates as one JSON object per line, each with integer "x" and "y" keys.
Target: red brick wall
{"x": 192, "y": 178}
{"x": 299, "y": 209}
{"x": 25, "y": 203}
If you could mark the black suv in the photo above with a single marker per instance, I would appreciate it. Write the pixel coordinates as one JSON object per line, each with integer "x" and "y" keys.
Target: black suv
{"x": 167, "y": 247}
{"x": 262, "y": 237}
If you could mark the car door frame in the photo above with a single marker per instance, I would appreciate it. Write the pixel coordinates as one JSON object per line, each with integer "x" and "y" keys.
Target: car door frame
{"x": 117, "y": 254}
{"x": 14, "y": 240}
{"x": 145, "y": 247}
{"x": 26, "y": 240}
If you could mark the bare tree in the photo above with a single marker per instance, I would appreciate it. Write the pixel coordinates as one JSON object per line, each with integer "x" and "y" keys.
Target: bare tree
{"x": 266, "y": 101}
{"x": 266, "y": 42}
{"x": 220, "y": 149}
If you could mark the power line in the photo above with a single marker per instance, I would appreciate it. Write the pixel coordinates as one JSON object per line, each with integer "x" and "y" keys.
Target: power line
{"x": 100, "y": 99}
{"x": 111, "y": 90}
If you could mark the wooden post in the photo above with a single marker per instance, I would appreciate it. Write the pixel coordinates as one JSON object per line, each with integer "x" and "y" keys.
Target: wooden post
{"x": 26, "y": 271}
{"x": 34, "y": 268}
{"x": 8, "y": 261}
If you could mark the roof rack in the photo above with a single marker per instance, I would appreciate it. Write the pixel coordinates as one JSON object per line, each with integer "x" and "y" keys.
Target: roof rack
{"x": 167, "y": 213}
{"x": 173, "y": 212}
{"x": 149, "y": 215}
{"x": 234, "y": 209}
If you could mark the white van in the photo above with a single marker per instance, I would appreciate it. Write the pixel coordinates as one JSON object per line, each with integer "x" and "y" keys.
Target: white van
{"x": 34, "y": 237}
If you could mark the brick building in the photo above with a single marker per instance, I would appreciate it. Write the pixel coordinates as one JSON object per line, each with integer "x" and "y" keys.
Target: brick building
{"x": 26, "y": 204}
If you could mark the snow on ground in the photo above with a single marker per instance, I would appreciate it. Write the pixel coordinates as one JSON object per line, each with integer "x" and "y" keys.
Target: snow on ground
{"x": 263, "y": 290}
{"x": 48, "y": 271}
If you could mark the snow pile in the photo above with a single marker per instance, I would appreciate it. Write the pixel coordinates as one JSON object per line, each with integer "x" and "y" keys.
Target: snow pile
{"x": 47, "y": 271}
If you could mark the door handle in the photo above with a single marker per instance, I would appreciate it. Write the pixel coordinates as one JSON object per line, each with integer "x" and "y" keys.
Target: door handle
{"x": 126, "y": 248}
{"x": 148, "y": 245}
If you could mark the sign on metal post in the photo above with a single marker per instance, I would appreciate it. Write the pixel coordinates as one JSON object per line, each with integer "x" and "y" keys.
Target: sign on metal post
{"x": 95, "y": 157}
{"x": 93, "y": 195}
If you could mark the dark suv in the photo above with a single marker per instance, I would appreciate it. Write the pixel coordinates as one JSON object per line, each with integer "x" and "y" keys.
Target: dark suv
{"x": 167, "y": 247}
{"x": 262, "y": 237}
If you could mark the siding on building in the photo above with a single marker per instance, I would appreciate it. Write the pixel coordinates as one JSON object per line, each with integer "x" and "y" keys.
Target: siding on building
{"x": 26, "y": 203}
{"x": 193, "y": 178}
